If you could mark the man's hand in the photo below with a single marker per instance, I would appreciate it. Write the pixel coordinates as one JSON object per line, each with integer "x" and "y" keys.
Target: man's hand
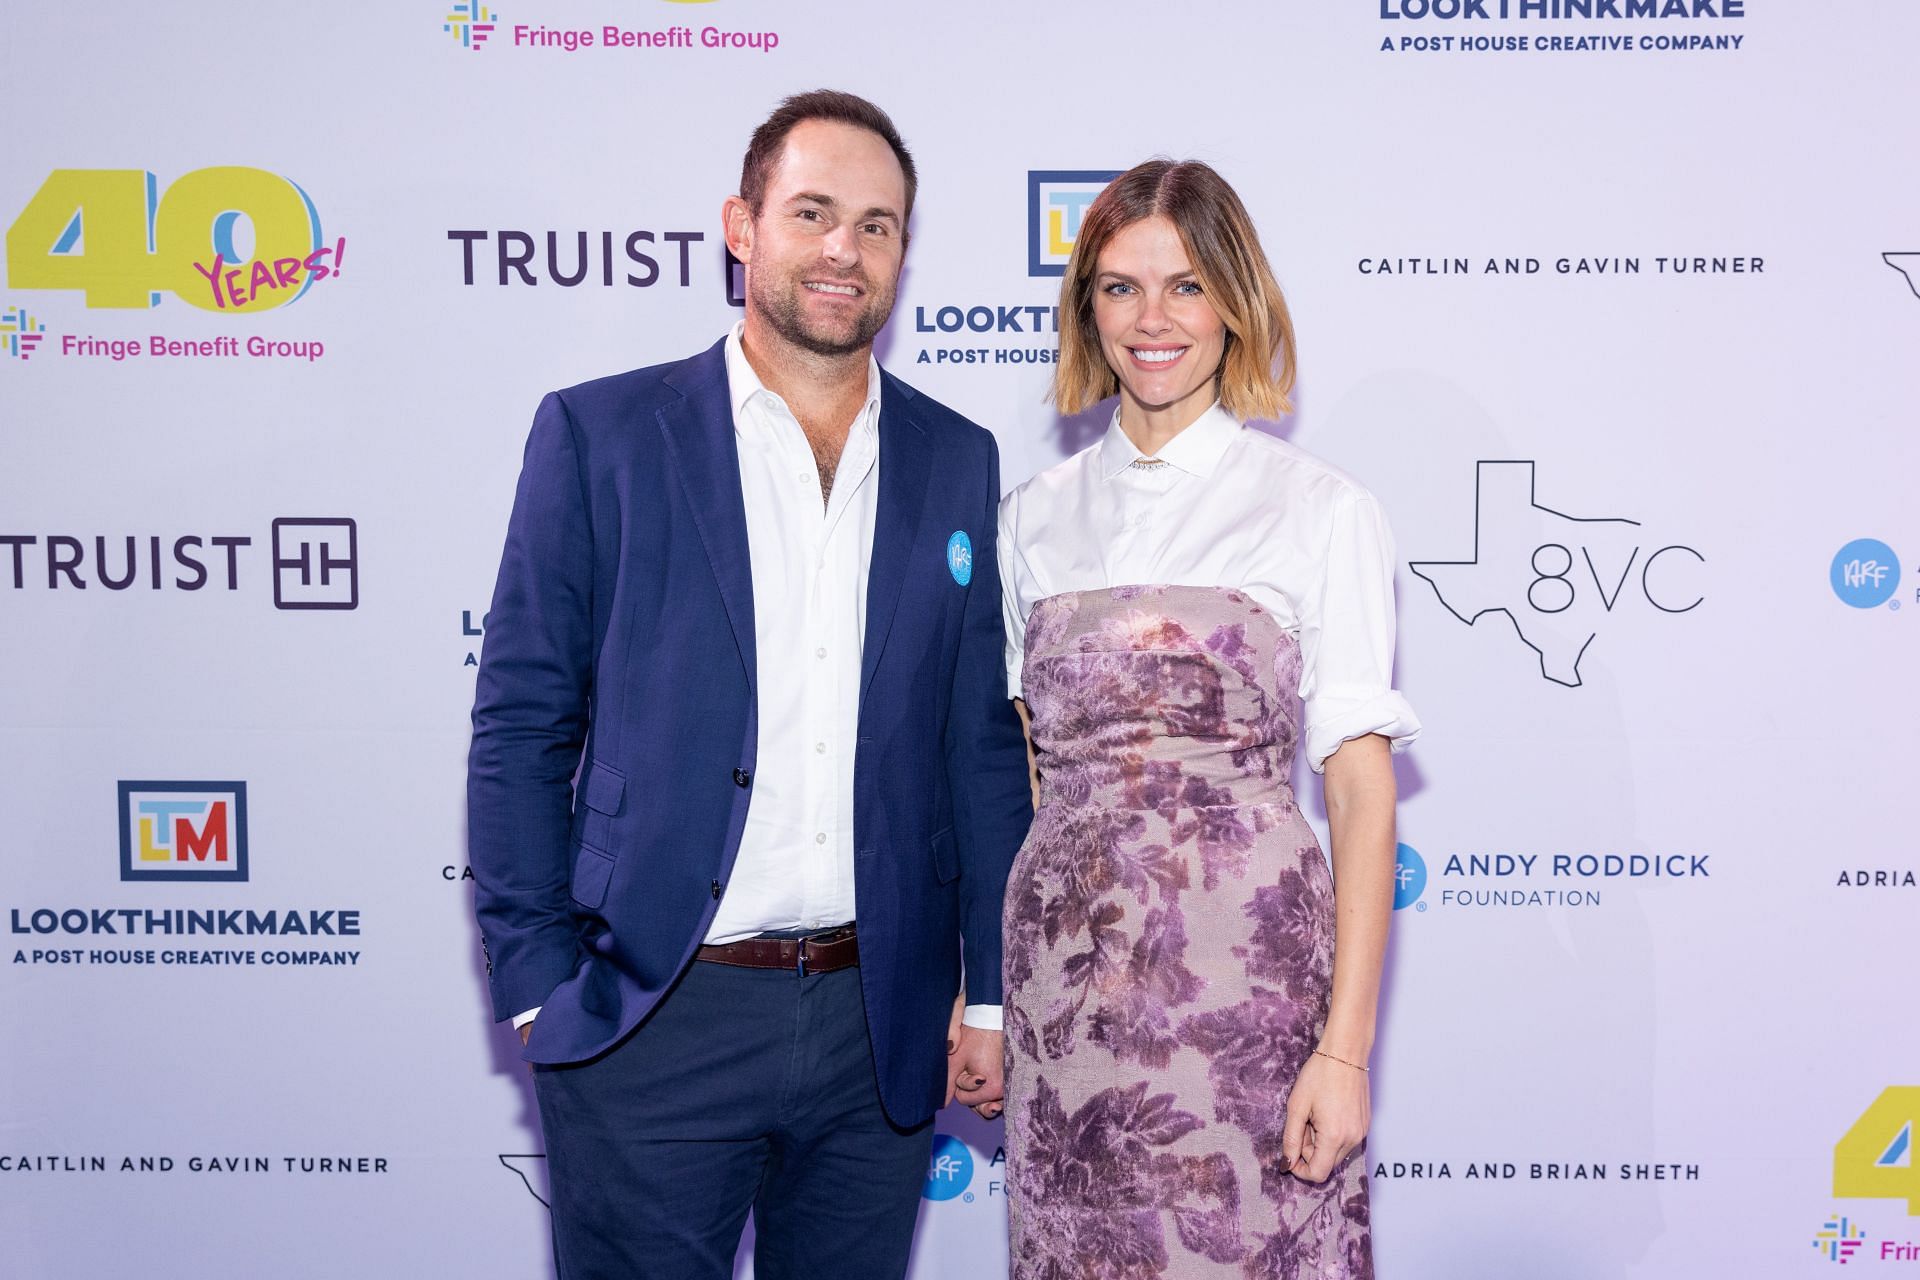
{"x": 953, "y": 1042}
{"x": 977, "y": 1070}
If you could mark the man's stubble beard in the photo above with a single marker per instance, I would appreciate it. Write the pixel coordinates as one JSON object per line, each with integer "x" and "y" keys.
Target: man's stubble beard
{"x": 779, "y": 304}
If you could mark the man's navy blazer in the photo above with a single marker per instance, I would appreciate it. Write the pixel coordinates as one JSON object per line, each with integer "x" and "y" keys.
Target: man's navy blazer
{"x": 614, "y": 723}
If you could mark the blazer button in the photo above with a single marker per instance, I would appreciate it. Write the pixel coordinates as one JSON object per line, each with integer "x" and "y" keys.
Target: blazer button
{"x": 741, "y": 777}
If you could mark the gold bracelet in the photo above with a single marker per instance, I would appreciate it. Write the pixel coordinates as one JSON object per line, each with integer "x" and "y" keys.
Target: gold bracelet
{"x": 1343, "y": 1062}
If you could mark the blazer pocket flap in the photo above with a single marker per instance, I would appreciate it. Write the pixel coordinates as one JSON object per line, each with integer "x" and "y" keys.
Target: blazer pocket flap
{"x": 946, "y": 858}
{"x": 604, "y": 790}
{"x": 591, "y": 871}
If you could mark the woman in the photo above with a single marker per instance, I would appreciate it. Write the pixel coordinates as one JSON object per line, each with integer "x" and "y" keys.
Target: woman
{"x": 1187, "y": 1028}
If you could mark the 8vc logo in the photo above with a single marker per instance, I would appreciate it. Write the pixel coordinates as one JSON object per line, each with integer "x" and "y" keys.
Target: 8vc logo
{"x": 224, "y": 239}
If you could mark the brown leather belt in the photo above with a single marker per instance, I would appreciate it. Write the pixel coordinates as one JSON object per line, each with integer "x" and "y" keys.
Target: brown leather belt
{"x": 820, "y": 953}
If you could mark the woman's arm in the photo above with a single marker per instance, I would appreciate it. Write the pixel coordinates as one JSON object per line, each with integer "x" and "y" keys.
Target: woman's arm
{"x": 1330, "y": 1110}
{"x": 1360, "y": 798}
{"x": 1033, "y": 762}
{"x": 955, "y": 1065}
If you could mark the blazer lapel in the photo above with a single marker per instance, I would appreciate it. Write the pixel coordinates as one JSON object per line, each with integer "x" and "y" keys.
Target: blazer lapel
{"x": 702, "y": 448}
{"x": 906, "y": 463}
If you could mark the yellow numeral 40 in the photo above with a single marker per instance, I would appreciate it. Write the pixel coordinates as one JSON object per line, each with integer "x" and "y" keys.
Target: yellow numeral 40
{"x": 1875, "y": 1161}
{"x": 108, "y": 234}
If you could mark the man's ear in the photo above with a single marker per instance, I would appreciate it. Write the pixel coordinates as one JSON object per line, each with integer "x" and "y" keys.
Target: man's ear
{"x": 736, "y": 223}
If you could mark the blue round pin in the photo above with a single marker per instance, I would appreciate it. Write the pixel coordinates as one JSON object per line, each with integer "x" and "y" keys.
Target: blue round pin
{"x": 960, "y": 557}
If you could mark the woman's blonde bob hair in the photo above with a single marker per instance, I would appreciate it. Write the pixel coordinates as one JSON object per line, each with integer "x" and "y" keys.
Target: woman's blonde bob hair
{"x": 1256, "y": 369}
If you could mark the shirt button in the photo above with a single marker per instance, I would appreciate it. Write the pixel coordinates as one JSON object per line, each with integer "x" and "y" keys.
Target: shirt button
{"x": 821, "y": 652}
{"x": 820, "y": 748}
{"x": 820, "y": 837}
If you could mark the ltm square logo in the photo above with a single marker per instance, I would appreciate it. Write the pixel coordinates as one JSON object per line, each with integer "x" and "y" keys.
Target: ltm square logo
{"x": 1057, "y": 199}
{"x": 316, "y": 563}
{"x": 183, "y": 831}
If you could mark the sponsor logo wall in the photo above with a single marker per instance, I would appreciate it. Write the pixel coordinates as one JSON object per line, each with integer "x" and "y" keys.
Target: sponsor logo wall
{"x": 1620, "y": 333}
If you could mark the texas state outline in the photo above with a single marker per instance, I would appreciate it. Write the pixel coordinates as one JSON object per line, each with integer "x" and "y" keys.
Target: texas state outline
{"x": 1513, "y": 479}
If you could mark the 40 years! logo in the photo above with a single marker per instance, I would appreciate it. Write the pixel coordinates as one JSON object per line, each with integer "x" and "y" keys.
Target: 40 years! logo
{"x": 224, "y": 239}
{"x": 227, "y": 239}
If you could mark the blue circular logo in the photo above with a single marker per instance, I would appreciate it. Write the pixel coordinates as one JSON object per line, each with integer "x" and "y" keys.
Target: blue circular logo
{"x": 950, "y": 1170}
{"x": 1409, "y": 876}
{"x": 1865, "y": 573}
{"x": 960, "y": 557}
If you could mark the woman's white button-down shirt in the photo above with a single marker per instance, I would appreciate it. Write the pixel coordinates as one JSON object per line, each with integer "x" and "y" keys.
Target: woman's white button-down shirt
{"x": 1225, "y": 506}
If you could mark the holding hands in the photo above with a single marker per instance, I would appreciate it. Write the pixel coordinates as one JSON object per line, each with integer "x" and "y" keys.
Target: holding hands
{"x": 976, "y": 1065}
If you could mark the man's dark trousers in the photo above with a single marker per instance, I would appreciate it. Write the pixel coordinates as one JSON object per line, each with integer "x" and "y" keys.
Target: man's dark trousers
{"x": 747, "y": 1088}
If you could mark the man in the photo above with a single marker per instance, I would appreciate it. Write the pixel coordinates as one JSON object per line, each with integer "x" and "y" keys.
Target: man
{"x": 745, "y": 782}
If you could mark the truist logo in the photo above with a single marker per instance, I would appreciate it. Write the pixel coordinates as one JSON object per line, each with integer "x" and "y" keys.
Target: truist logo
{"x": 315, "y": 562}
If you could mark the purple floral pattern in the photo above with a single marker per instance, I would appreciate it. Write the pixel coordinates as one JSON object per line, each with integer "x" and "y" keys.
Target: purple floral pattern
{"x": 1169, "y": 953}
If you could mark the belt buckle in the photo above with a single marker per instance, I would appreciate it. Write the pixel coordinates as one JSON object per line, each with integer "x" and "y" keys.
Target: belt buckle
{"x": 840, "y": 934}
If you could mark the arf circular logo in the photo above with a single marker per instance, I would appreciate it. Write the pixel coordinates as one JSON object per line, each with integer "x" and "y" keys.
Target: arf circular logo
{"x": 1409, "y": 877}
{"x": 960, "y": 557}
{"x": 950, "y": 1169}
{"x": 1865, "y": 573}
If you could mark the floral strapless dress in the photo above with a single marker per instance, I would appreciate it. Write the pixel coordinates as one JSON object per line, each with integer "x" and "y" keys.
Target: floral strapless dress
{"x": 1169, "y": 952}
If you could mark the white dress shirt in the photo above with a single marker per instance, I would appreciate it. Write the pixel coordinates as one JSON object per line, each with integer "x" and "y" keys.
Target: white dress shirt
{"x": 795, "y": 865}
{"x": 1223, "y": 506}
{"x": 809, "y": 561}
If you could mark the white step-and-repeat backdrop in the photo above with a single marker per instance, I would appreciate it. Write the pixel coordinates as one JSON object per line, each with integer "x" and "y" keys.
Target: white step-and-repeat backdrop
{"x": 1615, "y": 303}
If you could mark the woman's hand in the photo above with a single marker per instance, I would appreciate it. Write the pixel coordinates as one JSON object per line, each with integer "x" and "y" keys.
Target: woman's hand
{"x": 1328, "y": 1114}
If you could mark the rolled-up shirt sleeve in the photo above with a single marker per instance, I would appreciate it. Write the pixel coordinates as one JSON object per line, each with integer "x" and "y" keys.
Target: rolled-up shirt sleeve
{"x": 1011, "y": 578}
{"x": 1346, "y": 637}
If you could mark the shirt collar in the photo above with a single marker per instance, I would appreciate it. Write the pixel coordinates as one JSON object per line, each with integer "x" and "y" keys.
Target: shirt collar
{"x": 743, "y": 384}
{"x": 1196, "y": 451}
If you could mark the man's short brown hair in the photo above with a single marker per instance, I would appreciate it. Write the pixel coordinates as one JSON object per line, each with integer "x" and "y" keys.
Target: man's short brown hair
{"x": 770, "y": 140}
